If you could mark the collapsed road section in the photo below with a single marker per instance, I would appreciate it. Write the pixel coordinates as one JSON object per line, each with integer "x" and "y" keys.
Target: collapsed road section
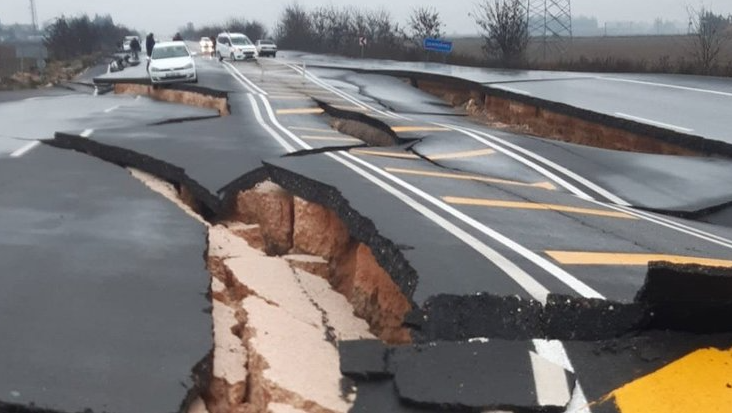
{"x": 334, "y": 289}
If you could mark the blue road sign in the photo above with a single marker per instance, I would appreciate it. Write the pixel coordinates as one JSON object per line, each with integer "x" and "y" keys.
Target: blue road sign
{"x": 437, "y": 45}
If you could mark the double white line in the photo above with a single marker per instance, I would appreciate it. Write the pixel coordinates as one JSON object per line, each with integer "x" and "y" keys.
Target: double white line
{"x": 550, "y": 382}
{"x": 408, "y": 194}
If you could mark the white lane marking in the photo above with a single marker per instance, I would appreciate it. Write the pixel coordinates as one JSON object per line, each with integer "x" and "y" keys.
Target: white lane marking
{"x": 244, "y": 84}
{"x": 108, "y": 110}
{"x": 25, "y": 149}
{"x": 687, "y": 88}
{"x": 654, "y": 123}
{"x": 558, "y": 273}
{"x": 523, "y": 279}
{"x": 86, "y": 133}
{"x": 344, "y": 95}
{"x": 258, "y": 115}
{"x": 620, "y": 204}
{"x": 554, "y": 351}
{"x": 543, "y": 171}
{"x": 534, "y": 288}
{"x": 582, "y": 180}
{"x": 238, "y": 73}
{"x": 550, "y": 382}
{"x": 511, "y": 89}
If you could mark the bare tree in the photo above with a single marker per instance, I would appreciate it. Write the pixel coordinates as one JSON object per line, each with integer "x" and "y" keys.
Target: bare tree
{"x": 295, "y": 29}
{"x": 423, "y": 23}
{"x": 709, "y": 34}
{"x": 503, "y": 28}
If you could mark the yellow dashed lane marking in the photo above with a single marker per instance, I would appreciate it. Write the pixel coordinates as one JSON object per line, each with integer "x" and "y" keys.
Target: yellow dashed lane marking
{"x": 301, "y": 111}
{"x": 465, "y": 154}
{"x": 418, "y": 129}
{"x": 401, "y": 155}
{"x": 699, "y": 382}
{"x": 331, "y": 138}
{"x": 530, "y": 205}
{"x": 612, "y": 258}
{"x": 543, "y": 185}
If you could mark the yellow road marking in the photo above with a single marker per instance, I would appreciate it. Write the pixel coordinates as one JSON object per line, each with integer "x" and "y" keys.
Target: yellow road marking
{"x": 465, "y": 154}
{"x": 301, "y": 111}
{"x": 699, "y": 382}
{"x": 331, "y": 138}
{"x": 304, "y": 129}
{"x": 612, "y": 258}
{"x": 531, "y": 205}
{"x": 418, "y": 129}
{"x": 402, "y": 155}
{"x": 543, "y": 185}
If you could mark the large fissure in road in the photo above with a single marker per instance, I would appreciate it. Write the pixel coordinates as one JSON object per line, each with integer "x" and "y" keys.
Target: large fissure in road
{"x": 296, "y": 272}
{"x": 529, "y": 115}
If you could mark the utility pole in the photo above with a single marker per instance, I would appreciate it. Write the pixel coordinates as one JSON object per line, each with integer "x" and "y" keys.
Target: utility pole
{"x": 34, "y": 15}
{"x": 550, "y": 21}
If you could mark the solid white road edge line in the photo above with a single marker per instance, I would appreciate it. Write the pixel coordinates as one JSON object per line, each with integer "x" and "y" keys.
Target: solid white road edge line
{"x": 687, "y": 88}
{"x": 654, "y": 123}
{"x": 25, "y": 149}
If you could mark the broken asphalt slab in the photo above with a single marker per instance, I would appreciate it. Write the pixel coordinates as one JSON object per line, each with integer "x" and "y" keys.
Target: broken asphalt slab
{"x": 82, "y": 112}
{"x": 103, "y": 290}
{"x": 471, "y": 376}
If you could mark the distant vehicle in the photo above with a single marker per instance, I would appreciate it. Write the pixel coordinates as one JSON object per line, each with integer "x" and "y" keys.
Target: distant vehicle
{"x": 266, "y": 48}
{"x": 235, "y": 46}
{"x": 172, "y": 62}
{"x": 126, "y": 43}
{"x": 207, "y": 45}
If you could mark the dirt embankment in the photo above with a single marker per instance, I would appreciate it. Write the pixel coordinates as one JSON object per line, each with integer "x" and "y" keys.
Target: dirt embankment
{"x": 522, "y": 115}
{"x": 56, "y": 72}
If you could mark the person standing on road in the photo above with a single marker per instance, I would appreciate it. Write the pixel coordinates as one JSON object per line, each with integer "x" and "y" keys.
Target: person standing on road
{"x": 136, "y": 48}
{"x": 149, "y": 45}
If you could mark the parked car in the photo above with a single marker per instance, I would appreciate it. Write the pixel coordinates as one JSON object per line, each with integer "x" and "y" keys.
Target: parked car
{"x": 172, "y": 62}
{"x": 235, "y": 46}
{"x": 126, "y": 43}
{"x": 266, "y": 48}
{"x": 207, "y": 46}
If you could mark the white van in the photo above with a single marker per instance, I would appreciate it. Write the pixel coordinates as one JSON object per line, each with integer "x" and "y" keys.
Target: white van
{"x": 234, "y": 46}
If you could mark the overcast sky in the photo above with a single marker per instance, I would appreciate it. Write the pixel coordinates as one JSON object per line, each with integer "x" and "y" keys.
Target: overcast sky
{"x": 158, "y": 15}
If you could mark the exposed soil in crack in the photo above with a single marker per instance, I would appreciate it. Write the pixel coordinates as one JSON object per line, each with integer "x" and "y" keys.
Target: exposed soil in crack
{"x": 527, "y": 115}
{"x": 361, "y": 126}
{"x": 269, "y": 310}
{"x": 197, "y": 97}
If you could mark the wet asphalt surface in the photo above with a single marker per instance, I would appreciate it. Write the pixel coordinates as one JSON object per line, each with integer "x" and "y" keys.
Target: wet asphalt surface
{"x": 80, "y": 211}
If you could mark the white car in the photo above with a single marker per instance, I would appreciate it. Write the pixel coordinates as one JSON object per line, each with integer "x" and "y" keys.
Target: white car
{"x": 172, "y": 62}
{"x": 235, "y": 46}
{"x": 266, "y": 48}
{"x": 206, "y": 45}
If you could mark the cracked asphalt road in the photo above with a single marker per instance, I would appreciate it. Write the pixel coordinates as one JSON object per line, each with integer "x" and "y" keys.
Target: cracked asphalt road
{"x": 475, "y": 211}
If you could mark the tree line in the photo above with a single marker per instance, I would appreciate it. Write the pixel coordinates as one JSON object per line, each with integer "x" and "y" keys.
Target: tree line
{"x": 253, "y": 29}
{"x": 71, "y": 37}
